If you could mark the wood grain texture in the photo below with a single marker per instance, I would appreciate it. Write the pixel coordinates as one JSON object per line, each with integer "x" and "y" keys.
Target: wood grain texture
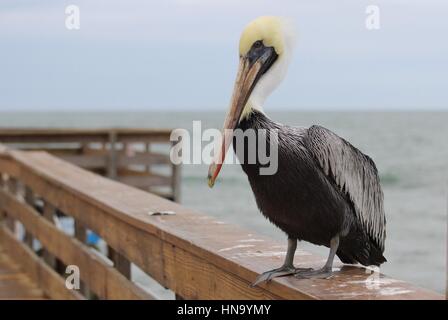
{"x": 14, "y": 283}
{"x": 43, "y": 276}
{"x": 195, "y": 255}
{"x": 94, "y": 271}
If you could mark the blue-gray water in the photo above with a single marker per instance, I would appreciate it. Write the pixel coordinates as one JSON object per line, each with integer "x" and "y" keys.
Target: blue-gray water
{"x": 410, "y": 150}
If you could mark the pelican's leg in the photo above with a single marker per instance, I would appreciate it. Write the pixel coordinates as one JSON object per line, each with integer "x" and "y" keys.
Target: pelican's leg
{"x": 286, "y": 269}
{"x": 327, "y": 270}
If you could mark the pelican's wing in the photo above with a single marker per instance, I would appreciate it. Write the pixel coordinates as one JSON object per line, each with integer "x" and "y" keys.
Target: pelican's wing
{"x": 356, "y": 176}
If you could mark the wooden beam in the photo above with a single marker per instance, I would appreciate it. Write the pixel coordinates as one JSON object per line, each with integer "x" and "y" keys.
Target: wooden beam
{"x": 48, "y": 213}
{"x": 176, "y": 179}
{"x": 38, "y": 135}
{"x": 112, "y": 158}
{"x": 29, "y": 198}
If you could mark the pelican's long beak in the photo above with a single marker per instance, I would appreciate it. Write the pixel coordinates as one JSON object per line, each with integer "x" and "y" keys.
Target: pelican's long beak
{"x": 244, "y": 84}
{"x": 249, "y": 71}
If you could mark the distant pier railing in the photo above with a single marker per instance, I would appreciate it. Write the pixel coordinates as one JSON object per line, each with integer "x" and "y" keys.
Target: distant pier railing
{"x": 194, "y": 255}
{"x": 137, "y": 157}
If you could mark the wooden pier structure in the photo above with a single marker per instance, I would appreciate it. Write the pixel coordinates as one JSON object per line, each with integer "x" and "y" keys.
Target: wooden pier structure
{"x": 194, "y": 255}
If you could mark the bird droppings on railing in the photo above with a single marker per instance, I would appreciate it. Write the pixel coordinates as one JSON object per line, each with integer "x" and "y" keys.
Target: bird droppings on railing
{"x": 239, "y": 246}
{"x": 251, "y": 240}
{"x": 392, "y": 291}
{"x": 251, "y": 254}
{"x": 162, "y": 213}
{"x": 376, "y": 281}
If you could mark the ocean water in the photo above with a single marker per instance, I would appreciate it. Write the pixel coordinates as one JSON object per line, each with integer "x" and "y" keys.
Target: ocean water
{"x": 410, "y": 150}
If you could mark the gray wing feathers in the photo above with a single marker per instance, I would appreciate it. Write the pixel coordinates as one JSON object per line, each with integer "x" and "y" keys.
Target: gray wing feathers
{"x": 356, "y": 176}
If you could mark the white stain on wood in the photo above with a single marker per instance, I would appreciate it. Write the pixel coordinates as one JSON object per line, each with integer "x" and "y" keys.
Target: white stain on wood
{"x": 251, "y": 240}
{"x": 392, "y": 291}
{"x": 237, "y": 247}
{"x": 260, "y": 254}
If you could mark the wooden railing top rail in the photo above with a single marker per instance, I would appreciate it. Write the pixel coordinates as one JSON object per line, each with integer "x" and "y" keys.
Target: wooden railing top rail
{"x": 81, "y": 131}
{"x": 195, "y": 255}
{"x": 24, "y": 135}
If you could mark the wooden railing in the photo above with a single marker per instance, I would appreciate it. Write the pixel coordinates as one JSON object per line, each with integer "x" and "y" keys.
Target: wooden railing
{"x": 137, "y": 157}
{"x": 194, "y": 255}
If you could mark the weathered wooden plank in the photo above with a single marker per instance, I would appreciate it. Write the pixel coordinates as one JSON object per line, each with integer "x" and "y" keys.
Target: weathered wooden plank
{"x": 14, "y": 283}
{"x": 46, "y": 278}
{"x": 175, "y": 249}
{"x": 82, "y": 131}
{"x": 94, "y": 271}
{"x": 37, "y": 135}
{"x": 8, "y": 166}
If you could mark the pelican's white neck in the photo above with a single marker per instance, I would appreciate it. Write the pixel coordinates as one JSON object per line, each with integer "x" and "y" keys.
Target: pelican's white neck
{"x": 267, "y": 84}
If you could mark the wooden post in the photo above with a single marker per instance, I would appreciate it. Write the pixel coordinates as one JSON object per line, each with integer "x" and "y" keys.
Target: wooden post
{"x": 29, "y": 199}
{"x": 80, "y": 232}
{"x": 176, "y": 177}
{"x": 48, "y": 214}
{"x": 81, "y": 235}
{"x": 122, "y": 264}
{"x": 148, "y": 166}
{"x": 112, "y": 161}
{"x": 11, "y": 186}
{"x": 3, "y": 214}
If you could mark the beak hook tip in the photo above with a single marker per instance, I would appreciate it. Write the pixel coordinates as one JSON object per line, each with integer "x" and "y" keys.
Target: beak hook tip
{"x": 211, "y": 181}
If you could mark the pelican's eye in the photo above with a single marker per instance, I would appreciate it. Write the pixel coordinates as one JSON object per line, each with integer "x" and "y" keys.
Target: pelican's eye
{"x": 258, "y": 44}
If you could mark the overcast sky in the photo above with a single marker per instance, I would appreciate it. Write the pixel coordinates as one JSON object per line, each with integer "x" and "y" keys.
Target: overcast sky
{"x": 182, "y": 55}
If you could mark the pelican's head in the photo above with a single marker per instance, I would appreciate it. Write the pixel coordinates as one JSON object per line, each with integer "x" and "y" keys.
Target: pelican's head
{"x": 264, "y": 50}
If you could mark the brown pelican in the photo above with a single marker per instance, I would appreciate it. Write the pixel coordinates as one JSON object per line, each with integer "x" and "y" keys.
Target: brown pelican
{"x": 325, "y": 191}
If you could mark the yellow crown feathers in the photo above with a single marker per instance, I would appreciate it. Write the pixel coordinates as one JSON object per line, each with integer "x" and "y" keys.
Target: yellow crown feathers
{"x": 268, "y": 29}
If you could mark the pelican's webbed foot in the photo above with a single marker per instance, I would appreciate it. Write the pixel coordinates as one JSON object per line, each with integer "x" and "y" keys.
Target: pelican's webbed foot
{"x": 323, "y": 273}
{"x": 284, "y": 270}
{"x": 327, "y": 270}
